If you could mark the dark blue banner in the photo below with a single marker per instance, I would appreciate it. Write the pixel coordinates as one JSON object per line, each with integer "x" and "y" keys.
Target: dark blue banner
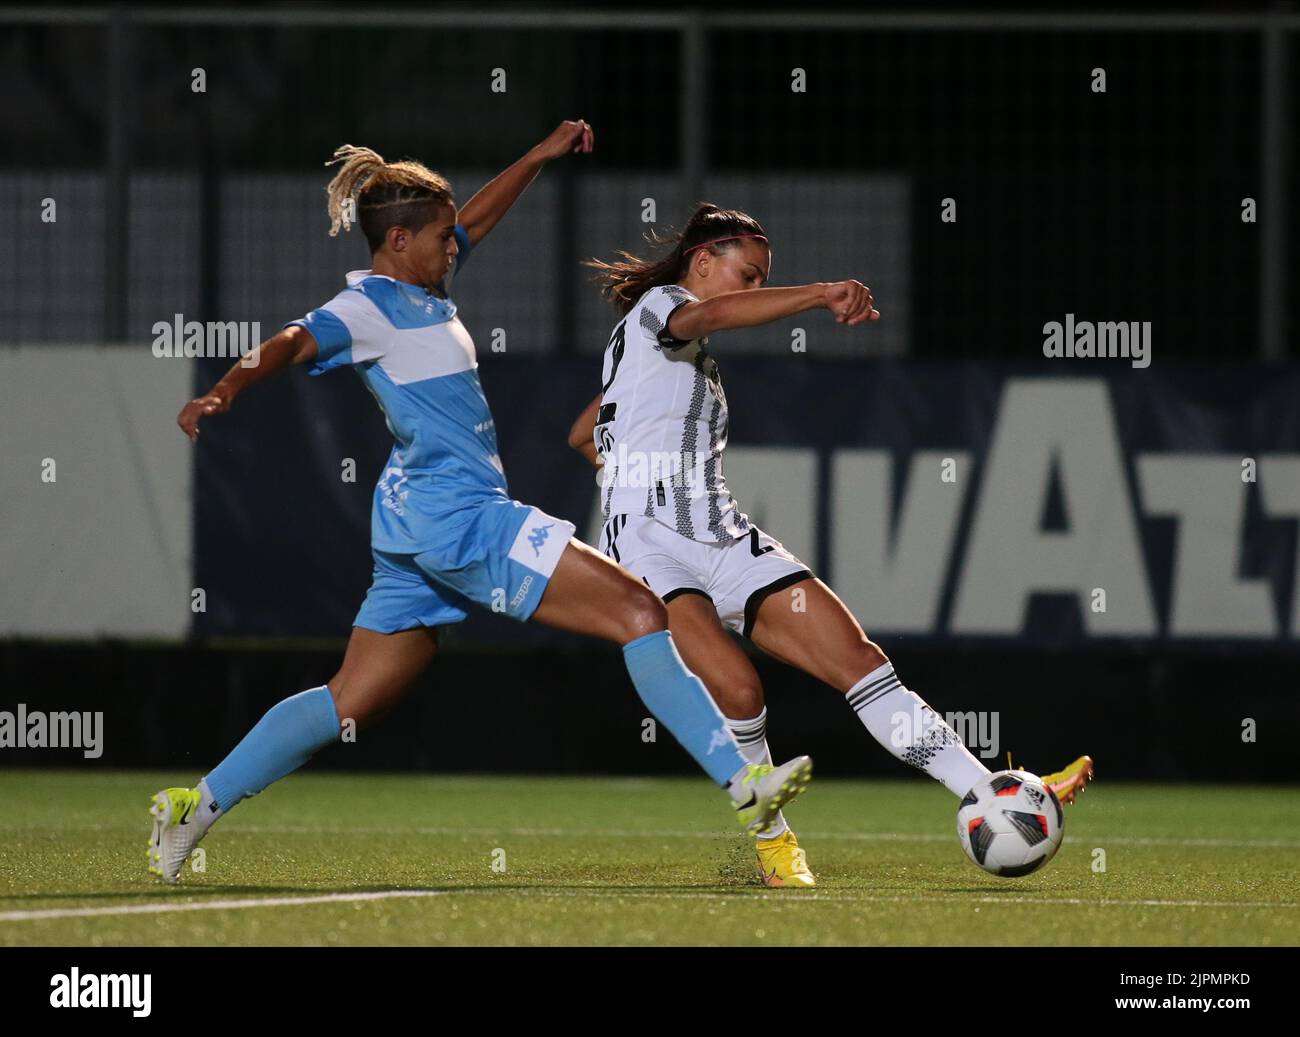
{"x": 1071, "y": 502}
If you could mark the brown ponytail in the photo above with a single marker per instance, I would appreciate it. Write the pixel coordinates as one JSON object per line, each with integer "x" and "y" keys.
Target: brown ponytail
{"x": 623, "y": 281}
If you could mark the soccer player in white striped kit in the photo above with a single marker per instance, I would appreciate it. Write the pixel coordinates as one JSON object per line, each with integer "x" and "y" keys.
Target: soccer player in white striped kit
{"x": 659, "y": 429}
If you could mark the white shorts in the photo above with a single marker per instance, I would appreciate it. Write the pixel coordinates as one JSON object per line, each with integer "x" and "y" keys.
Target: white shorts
{"x": 736, "y": 575}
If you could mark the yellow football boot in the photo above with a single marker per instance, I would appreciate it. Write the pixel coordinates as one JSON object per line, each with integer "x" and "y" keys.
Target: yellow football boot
{"x": 782, "y": 863}
{"x": 1071, "y": 780}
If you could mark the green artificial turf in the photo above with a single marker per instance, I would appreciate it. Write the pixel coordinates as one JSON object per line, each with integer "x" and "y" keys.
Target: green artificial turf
{"x": 531, "y": 861}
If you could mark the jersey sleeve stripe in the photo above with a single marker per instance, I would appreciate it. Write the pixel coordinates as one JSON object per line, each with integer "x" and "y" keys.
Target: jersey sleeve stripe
{"x": 333, "y": 340}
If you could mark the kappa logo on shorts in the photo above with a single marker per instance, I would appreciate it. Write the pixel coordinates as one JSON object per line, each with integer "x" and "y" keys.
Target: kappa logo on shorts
{"x": 522, "y": 593}
{"x": 538, "y": 536}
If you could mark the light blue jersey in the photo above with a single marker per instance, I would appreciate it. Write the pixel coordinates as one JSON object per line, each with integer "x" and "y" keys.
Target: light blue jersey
{"x": 441, "y": 507}
{"x": 415, "y": 356}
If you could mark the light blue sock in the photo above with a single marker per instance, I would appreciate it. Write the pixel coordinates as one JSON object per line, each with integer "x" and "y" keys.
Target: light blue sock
{"x": 682, "y": 704}
{"x": 281, "y": 742}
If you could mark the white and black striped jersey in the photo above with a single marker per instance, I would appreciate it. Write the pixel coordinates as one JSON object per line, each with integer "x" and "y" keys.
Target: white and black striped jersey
{"x": 662, "y": 425}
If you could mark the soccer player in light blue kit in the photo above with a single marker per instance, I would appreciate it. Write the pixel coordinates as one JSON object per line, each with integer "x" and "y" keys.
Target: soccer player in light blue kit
{"x": 445, "y": 531}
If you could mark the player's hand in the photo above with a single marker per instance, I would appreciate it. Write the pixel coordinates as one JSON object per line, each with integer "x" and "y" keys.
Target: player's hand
{"x": 188, "y": 419}
{"x": 570, "y": 137}
{"x": 851, "y": 302}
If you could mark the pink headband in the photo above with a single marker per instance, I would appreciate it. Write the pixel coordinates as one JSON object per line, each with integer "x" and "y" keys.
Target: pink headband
{"x": 734, "y": 237}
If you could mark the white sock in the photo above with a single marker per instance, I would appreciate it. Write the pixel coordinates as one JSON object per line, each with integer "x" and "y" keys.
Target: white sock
{"x": 751, "y": 736}
{"x": 208, "y": 810}
{"x": 902, "y": 722}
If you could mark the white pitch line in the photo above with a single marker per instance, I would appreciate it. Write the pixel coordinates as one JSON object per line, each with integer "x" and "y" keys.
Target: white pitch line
{"x": 217, "y": 905}
{"x": 613, "y": 893}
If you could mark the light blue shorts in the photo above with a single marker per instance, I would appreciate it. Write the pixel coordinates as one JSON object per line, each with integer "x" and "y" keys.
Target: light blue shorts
{"x": 502, "y": 559}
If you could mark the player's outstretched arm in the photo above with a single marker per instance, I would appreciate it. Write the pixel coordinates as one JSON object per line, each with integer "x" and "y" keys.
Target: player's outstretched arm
{"x": 850, "y": 301}
{"x": 293, "y": 345}
{"x": 481, "y": 213}
{"x": 584, "y": 428}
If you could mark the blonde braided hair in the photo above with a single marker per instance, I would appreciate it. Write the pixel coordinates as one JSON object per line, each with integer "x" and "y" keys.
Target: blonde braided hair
{"x": 410, "y": 191}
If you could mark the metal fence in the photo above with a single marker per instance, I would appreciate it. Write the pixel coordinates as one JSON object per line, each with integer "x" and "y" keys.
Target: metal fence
{"x": 844, "y": 133}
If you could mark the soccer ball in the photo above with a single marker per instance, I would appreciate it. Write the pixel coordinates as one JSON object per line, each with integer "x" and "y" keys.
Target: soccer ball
{"x": 1010, "y": 823}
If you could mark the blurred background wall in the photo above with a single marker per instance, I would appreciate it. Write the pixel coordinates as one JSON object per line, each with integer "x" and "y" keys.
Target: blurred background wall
{"x": 1166, "y": 198}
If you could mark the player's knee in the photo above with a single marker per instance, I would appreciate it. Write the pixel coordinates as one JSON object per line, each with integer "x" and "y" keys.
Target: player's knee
{"x": 335, "y": 686}
{"x": 873, "y": 655}
{"x": 340, "y": 689}
{"x": 865, "y": 657}
{"x": 352, "y": 704}
{"x": 643, "y": 614}
{"x": 743, "y": 700}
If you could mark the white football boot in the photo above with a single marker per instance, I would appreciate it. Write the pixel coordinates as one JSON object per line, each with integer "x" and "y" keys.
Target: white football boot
{"x": 176, "y": 832}
{"x": 770, "y": 788}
